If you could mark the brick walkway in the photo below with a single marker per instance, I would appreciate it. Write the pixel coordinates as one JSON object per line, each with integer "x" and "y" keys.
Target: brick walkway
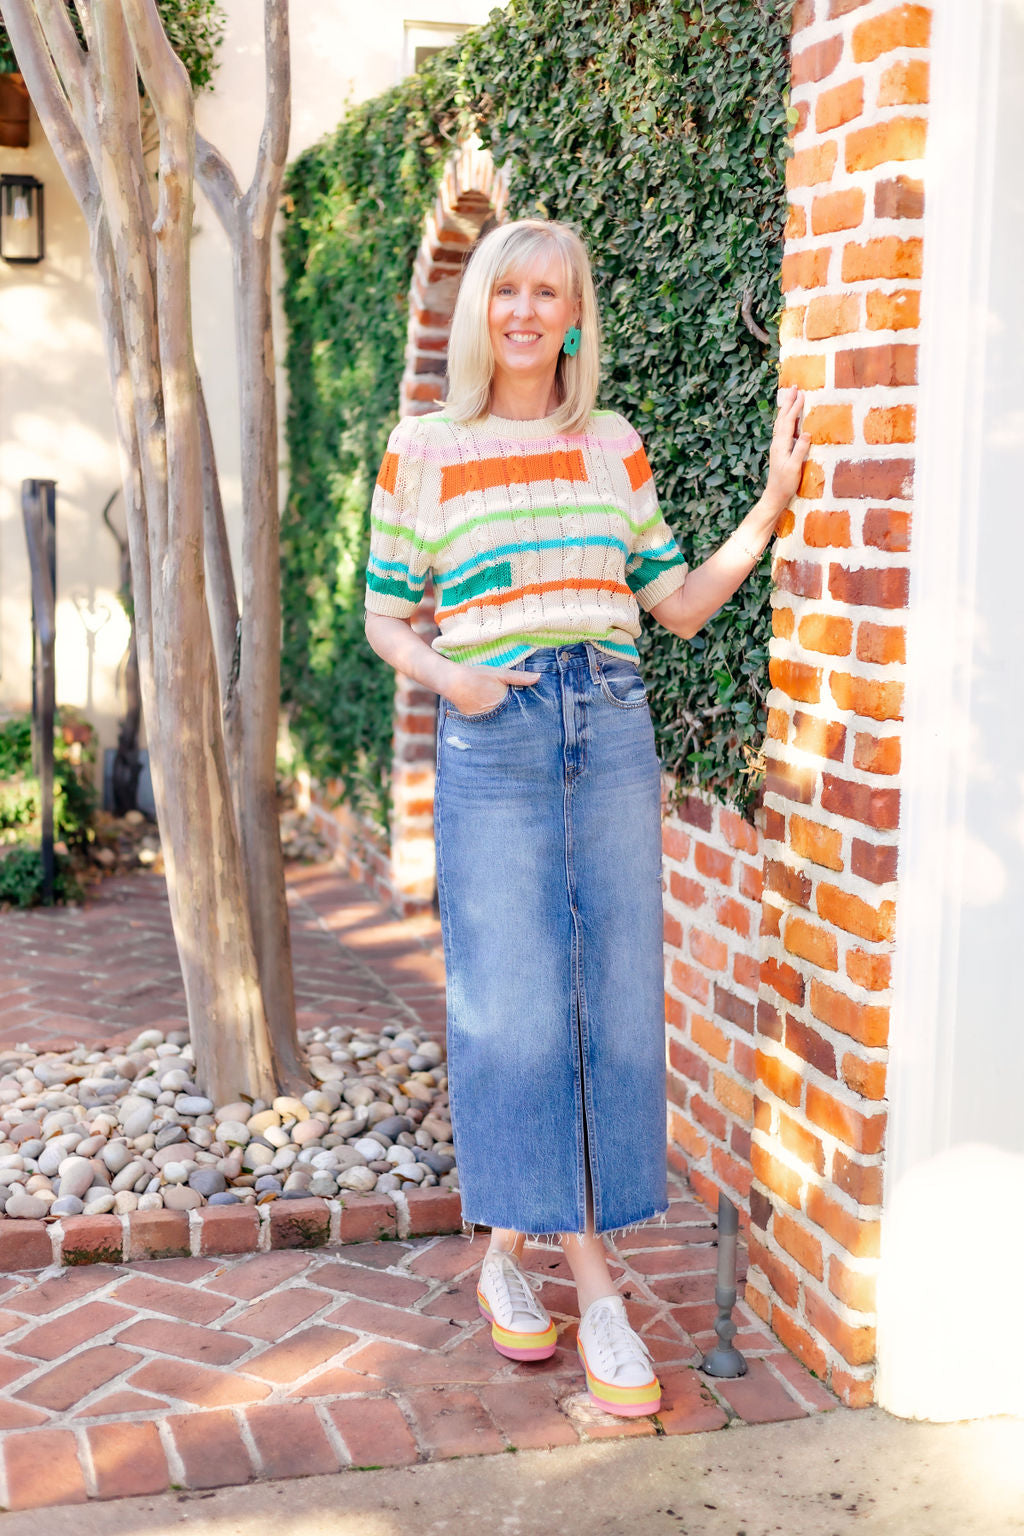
{"x": 203, "y": 1372}
{"x": 102, "y": 972}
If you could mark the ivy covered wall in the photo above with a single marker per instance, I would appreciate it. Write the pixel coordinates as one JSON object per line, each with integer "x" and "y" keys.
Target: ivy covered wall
{"x": 658, "y": 129}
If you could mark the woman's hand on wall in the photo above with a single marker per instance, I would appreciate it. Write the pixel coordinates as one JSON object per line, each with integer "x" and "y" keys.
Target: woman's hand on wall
{"x": 786, "y": 456}
{"x": 713, "y": 583}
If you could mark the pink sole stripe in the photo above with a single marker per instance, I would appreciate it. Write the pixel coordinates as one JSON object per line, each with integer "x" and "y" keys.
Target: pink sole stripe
{"x": 543, "y": 1352}
{"x": 626, "y": 1410}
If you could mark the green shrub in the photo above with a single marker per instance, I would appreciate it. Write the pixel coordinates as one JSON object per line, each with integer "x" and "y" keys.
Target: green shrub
{"x": 74, "y": 796}
{"x": 658, "y": 128}
{"x": 21, "y": 878}
{"x": 19, "y": 803}
{"x": 15, "y": 746}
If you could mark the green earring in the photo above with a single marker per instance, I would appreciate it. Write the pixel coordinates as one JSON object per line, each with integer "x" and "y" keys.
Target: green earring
{"x": 571, "y": 344}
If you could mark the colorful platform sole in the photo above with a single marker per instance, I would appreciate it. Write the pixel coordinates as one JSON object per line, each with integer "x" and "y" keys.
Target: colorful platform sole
{"x": 519, "y": 1346}
{"x": 627, "y": 1402}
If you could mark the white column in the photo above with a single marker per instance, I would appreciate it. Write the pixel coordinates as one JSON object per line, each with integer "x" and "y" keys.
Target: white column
{"x": 950, "y": 1336}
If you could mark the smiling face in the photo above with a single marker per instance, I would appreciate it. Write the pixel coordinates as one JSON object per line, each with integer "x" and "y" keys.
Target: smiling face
{"x": 530, "y": 310}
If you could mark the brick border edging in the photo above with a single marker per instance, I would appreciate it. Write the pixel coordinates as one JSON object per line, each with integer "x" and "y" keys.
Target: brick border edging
{"x": 227, "y": 1229}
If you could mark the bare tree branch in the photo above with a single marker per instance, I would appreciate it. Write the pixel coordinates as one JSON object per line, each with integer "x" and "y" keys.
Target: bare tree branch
{"x": 84, "y": 11}
{"x": 262, "y": 194}
{"x": 219, "y": 184}
{"x": 136, "y": 522}
{"x": 163, "y": 74}
{"x": 170, "y": 91}
{"x": 50, "y": 99}
{"x": 67, "y": 51}
{"x": 222, "y": 603}
{"x": 258, "y": 684}
{"x": 222, "y": 590}
{"x": 126, "y": 199}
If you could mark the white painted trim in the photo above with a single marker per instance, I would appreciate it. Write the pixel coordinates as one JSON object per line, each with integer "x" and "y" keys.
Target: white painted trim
{"x": 957, "y": 230}
{"x": 957, "y": 239}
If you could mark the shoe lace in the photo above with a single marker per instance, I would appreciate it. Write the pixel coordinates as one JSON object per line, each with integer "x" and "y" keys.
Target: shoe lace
{"x": 518, "y": 1288}
{"x": 614, "y": 1334}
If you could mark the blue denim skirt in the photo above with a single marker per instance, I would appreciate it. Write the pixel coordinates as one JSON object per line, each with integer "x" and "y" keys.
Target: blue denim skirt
{"x": 548, "y": 828}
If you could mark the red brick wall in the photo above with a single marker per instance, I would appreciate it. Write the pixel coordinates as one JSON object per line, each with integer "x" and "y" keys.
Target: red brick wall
{"x": 852, "y": 279}
{"x": 712, "y": 896}
{"x": 361, "y": 846}
{"x": 812, "y": 1067}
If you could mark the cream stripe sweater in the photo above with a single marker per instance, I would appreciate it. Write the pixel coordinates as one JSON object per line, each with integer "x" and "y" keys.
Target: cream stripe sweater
{"x": 532, "y": 537}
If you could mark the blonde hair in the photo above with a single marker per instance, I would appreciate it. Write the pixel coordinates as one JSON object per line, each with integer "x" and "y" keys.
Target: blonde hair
{"x": 507, "y": 248}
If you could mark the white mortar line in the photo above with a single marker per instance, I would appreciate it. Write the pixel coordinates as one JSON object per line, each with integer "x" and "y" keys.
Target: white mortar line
{"x": 175, "y": 1465}
{"x": 248, "y": 1438}
{"x": 403, "y": 1220}
{"x": 331, "y": 1431}
{"x": 86, "y": 1462}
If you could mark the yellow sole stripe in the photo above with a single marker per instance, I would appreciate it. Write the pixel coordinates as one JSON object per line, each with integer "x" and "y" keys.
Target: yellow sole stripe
{"x": 647, "y": 1392}
{"x": 530, "y": 1340}
{"x": 518, "y": 1340}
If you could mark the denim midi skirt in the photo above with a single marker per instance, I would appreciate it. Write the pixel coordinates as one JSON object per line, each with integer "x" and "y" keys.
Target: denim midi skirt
{"x": 548, "y": 829}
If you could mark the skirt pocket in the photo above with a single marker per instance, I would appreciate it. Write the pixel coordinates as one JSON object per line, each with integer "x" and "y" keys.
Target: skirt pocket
{"x": 621, "y": 682}
{"x": 483, "y": 714}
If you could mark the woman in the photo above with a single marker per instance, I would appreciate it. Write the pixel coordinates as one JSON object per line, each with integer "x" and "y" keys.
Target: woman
{"x": 537, "y": 518}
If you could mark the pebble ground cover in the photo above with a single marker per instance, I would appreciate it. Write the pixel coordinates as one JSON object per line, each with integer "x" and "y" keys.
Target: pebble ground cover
{"x": 90, "y": 1131}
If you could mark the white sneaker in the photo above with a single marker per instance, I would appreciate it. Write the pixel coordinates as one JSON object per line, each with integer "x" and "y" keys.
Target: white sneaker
{"x": 620, "y": 1377}
{"x": 520, "y": 1327}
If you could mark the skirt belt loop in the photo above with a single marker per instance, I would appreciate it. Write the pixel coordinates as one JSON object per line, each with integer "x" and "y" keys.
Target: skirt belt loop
{"x": 595, "y": 676}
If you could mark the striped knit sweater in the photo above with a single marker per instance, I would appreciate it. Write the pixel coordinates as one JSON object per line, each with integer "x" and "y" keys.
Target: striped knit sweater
{"x": 531, "y": 538}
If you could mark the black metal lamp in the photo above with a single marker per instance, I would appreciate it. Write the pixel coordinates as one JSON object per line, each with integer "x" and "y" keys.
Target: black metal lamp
{"x": 21, "y": 220}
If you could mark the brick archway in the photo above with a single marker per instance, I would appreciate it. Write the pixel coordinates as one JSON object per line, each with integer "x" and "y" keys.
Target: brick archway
{"x": 471, "y": 198}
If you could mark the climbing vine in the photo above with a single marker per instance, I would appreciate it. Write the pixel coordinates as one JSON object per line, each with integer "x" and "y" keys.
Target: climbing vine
{"x": 657, "y": 128}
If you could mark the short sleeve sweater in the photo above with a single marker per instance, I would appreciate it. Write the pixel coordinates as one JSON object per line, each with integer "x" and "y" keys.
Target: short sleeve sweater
{"x": 532, "y": 537}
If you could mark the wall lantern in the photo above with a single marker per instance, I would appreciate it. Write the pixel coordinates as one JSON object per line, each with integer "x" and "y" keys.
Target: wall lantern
{"x": 21, "y": 220}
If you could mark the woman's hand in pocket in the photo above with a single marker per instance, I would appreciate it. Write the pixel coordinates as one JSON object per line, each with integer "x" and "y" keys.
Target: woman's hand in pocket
{"x": 478, "y": 690}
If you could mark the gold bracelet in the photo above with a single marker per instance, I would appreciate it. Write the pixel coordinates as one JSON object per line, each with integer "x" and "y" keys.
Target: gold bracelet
{"x": 746, "y": 548}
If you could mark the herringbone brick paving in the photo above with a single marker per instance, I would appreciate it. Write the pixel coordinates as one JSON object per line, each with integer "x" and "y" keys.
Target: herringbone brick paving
{"x": 203, "y": 1372}
{"x": 101, "y": 972}
{"x": 128, "y": 1379}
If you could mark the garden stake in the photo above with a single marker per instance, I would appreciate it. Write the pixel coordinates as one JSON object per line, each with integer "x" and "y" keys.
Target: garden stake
{"x": 38, "y": 505}
{"x": 725, "y": 1359}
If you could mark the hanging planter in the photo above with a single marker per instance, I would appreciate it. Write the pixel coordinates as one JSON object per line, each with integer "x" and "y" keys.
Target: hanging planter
{"x": 13, "y": 112}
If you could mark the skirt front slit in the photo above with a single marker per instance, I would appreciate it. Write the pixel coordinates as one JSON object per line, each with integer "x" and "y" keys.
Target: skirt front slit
{"x": 547, "y": 818}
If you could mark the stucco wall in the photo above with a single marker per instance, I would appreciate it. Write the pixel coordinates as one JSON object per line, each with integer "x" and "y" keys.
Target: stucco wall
{"x": 56, "y": 424}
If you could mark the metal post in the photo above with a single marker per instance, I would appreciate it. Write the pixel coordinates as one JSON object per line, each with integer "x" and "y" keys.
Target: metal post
{"x": 38, "y": 506}
{"x": 725, "y": 1360}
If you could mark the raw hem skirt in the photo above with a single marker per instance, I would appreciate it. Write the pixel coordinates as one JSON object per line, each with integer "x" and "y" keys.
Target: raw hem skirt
{"x": 548, "y": 828}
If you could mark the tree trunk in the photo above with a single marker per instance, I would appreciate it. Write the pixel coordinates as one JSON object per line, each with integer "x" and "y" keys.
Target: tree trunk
{"x": 199, "y": 833}
{"x": 222, "y": 598}
{"x": 260, "y": 681}
{"x": 89, "y": 105}
{"x": 248, "y": 221}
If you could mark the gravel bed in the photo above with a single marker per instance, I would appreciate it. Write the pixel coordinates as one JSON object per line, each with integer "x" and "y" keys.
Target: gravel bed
{"x": 125, "y": 1129}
